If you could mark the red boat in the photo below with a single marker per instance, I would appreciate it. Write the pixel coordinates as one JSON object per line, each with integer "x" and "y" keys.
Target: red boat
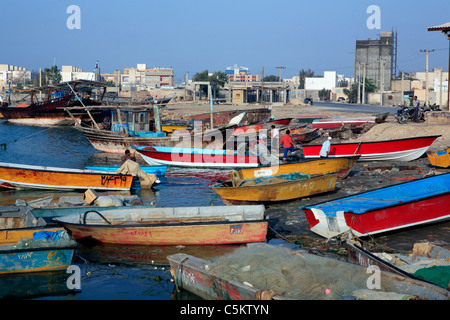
{"x": 406, "y": 149}
{"x": 196, "y": 157}
{"x": 399, "y": 206}
{"x": 263, "y": 125}
{"x": 337, "y": 122}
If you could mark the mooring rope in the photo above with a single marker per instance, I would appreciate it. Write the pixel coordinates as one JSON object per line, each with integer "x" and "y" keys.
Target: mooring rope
{"x": 3, "y": 145}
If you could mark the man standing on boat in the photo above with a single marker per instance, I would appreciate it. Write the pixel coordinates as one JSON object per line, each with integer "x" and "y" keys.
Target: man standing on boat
{"x": 287, "y": 144}
{"x": 325, "y": 151}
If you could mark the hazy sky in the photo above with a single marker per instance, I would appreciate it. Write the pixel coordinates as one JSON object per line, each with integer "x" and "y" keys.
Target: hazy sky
{"x": 196, "y": 35}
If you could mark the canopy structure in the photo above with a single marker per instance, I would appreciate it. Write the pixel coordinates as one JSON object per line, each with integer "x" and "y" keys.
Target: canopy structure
{"x": 445, "y": 28}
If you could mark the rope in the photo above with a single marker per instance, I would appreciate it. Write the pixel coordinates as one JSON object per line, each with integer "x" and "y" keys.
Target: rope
{"x": 3, "y": 145}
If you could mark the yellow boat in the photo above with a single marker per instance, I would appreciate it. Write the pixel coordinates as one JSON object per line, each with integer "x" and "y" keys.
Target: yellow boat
{"x": 440, "y": 158}
{"x": 274, "y": 188}
{"x": 340, "y": 166}
{"x": 19, "y": 176}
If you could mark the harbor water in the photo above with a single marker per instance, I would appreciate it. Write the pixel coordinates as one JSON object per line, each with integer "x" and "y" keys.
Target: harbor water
{"x": 139, "y": 272}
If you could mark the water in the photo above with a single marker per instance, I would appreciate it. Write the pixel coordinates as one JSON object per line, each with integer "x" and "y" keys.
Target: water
{"x": 142, "y": 272}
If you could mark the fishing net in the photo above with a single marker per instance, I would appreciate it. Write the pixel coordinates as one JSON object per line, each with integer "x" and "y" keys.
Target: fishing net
{"x": 299, "y": 276}
{"x": 44, "y": 239}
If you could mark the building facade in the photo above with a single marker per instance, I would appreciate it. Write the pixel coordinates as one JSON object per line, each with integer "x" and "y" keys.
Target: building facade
{"x": 328, "y": 81}
{"x": 240, "y": 74}
{"x": 71, "y": 73}
{"x": 143, "y": 78}
{"x": 374, "y": 59}
{"x": 15, "y": 74}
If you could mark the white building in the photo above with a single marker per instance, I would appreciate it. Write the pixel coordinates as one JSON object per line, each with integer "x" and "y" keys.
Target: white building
{"x": 328, "y": 81}
{"x": 14, "y": 74}
{"x": 70, "y": 73}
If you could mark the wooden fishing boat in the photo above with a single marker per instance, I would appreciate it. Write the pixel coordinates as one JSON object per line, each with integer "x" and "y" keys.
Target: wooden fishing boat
{"x": 196, "y": 157}
{"x": 221, "y": 118}
{"x": 19, "y": 176}
{"x": 406, "y": 149}
{"x": 158, "y": 170}
{"x": 253, "y": 266}
{"x": 340, "y": 166}
{"x": 50, "y": 111}
{"x": 440, "y": 158}
{"x": 170, "y": 226}
{"x": 262, "y": 125}
{"x": 274, "y": 188}
{"x": 418, "y": 265}
{"x": 337, "y": 122}
{"x": 304, "y": 135}
{"x": 27, "y": 244}
{"x": 408, "y": 204}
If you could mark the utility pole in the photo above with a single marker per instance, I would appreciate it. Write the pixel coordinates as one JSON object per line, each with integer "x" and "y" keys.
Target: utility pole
{"x": 426, "y": 74}
{"x": 280, "y": 72}
{"x": 403, "y": 91}
{"x": 364, "y": 84}
{"x": 359, "y": 83}
{"x": 381, "y": 80}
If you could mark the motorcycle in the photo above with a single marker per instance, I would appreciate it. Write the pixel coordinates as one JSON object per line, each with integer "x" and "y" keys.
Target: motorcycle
{"x": 405, "y": 113}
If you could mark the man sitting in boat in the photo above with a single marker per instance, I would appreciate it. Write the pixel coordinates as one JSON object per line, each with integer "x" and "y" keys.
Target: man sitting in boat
{"x": 130, "y": 166}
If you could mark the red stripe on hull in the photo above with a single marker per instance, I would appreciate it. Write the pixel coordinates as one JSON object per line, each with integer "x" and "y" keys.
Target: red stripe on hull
{"x": 375, "y": 147}
{"x": 398, "y": 216}
{"x": 198, "y": 158}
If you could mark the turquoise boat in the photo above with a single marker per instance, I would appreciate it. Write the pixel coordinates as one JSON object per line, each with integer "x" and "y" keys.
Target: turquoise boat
{"x": 27, "y": 244}
{"x": 38, "y": 259}
{"x": 157, "y": 170}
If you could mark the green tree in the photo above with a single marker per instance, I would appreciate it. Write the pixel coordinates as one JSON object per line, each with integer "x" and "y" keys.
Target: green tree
{"x": 352, "y": 93}
{"x": 304, "y": 74}
{"x": 324, "y": 94}
{"x": 53, "y": 75}
{"x": 271, "y": 78}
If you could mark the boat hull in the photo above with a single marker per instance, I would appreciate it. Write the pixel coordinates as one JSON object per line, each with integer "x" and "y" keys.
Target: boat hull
{"x": 259, "y": 126}
{"x": 35, "y": 260}
{"x": 387, "y": 209}
{"x": 392, "y": 150}
{"x": 340, "y": 166}
{"x": 440, "y": 159}
{"x": 334, "y": 123}
{"x": 36, "y": 177}
{"x": 281, "y": 191}
{"x": 189, "y": 234}
{"x": 188, "y": 157}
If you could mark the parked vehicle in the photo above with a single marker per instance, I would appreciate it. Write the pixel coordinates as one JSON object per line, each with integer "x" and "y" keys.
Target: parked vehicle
{"x": 405, "y": 113}
{"x": 308, "y": 101}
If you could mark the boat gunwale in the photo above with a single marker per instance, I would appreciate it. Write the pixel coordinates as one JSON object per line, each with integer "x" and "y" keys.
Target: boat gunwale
{"x": 50, "y": 248}
{"x": 372, "y": 142}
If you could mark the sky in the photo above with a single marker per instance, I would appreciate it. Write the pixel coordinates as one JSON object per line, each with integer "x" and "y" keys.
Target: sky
{"x": 191, "y": 36}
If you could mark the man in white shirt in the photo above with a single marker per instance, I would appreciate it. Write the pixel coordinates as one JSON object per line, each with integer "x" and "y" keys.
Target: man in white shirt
{"x": 325, "y": 151}
{"x": 275, "y": 136}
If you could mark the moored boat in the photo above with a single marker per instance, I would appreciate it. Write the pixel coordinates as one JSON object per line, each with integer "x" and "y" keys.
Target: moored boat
{"x": 20, "y": 176}
{"x": 262, "y": 125}
{"x": 337, "y": 122}
{"x": 27, "y": 244}
{"x": 266, "y": 272}
{"x": 196, "y": 157}
{"x": 274, "y": 188}
{"x": 303, "y": 135}
{"x": 170, "y": 226}
{"x": 340, "y": 166}
{"x": 440, "y": 158}
{"x": 408, "y": 204}
{"x": 50, "y": 111}
{"x": 406, "y": 149}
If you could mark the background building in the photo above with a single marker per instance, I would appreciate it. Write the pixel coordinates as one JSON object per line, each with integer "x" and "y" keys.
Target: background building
{"x": 15, "y": 74}
{"x": 142, "y": 78}
{"x": 377, "y": 60}
{"x": 240, "y": 74}
{"x": 328, "y": 81}
{"x": 71, "y": 73}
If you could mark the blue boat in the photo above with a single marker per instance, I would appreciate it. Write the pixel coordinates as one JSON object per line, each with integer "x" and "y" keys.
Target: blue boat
{"x": 50, "y": 258}
{"x": 27, "y": 244}
{"x": 403, "y": 205}
{"x": 157, "y": 170}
